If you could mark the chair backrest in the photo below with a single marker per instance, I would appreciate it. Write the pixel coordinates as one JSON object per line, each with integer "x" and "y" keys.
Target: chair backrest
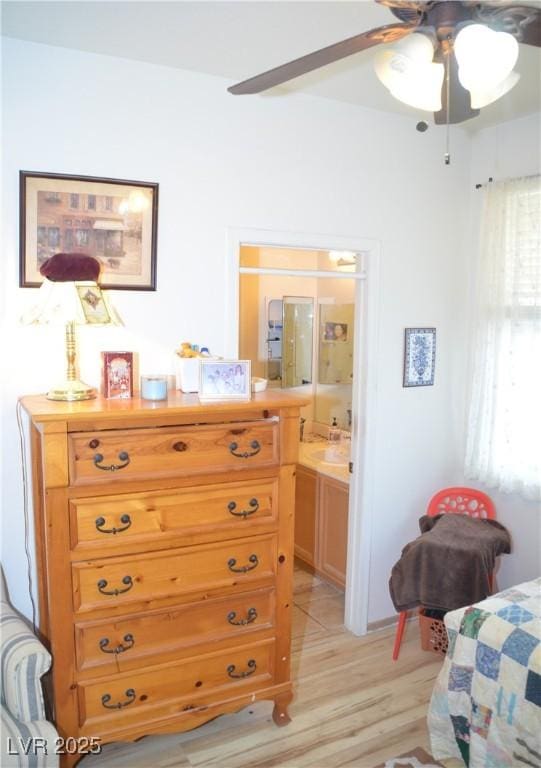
{"x": 461, "y": 501}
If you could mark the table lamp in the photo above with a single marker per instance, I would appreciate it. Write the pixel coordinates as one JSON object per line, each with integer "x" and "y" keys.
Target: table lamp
{"x": 70, "y": 294}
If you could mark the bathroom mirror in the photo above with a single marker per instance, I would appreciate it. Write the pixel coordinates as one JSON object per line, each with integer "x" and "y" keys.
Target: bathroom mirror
{"x": 289, "y": 328}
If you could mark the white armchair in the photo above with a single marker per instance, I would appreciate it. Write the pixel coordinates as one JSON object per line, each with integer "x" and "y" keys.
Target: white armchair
{"x": 27, "y": 738}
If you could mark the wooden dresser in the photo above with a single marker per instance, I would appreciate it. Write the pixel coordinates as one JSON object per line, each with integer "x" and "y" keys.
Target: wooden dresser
{"x": 164, "y": 544}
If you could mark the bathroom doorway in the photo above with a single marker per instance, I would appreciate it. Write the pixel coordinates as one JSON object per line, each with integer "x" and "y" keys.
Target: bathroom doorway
{"x": 304, "y": 321}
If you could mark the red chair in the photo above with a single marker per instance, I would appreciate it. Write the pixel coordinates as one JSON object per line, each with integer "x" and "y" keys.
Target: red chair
{"x": 456, "y": 501}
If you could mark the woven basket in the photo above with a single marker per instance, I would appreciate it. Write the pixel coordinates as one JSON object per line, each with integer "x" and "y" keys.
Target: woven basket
{"x": 433, "y": 634}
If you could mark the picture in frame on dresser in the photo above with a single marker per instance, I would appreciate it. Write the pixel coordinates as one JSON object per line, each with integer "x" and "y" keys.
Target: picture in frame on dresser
{"x": 164, "y": 548}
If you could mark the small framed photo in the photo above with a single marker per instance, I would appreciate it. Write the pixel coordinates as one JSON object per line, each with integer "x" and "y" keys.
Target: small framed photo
{"x": 224, "y": 379}
{"x": 335, "y": 332}
{"x": 113, "y": 220}
{"x": 419, "y": 357}
{"x": 117, "y": 375}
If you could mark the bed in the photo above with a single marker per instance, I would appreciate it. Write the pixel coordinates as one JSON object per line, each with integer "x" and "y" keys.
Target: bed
{"x": 485, "y": 708}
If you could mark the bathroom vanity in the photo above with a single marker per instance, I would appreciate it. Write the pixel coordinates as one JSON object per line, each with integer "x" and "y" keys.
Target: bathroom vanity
{"x": 321, "y": 512}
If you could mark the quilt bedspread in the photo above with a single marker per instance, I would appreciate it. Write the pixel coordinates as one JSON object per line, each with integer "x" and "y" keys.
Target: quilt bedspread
{"x": 486, "y": 703}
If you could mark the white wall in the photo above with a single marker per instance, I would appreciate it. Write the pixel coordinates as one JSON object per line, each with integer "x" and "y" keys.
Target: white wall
{"x": 510, "y": 150}
{"x": 285, "y": 163}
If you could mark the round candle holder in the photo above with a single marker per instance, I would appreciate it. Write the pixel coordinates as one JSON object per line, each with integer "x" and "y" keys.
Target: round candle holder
{"x": 154, "y": 387}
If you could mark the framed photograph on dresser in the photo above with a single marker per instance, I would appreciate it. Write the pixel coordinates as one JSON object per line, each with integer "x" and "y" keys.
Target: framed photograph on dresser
{"x": 113, "y": 220}
{"x": 224, "y": 379}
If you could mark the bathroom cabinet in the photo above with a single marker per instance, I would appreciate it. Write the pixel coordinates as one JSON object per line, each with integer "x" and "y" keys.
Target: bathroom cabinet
{"x": 164, "y": 556}
{"x": 321, "y": 524}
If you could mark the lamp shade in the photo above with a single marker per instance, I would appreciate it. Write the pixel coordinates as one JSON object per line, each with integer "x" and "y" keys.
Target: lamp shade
{"x": 485, "y": 57}
{"x": 82, "y": 303}
{"x": 409, "y": 73}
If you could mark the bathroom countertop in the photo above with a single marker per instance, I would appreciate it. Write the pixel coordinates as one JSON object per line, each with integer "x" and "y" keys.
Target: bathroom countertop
{"x": 321, "y": 457}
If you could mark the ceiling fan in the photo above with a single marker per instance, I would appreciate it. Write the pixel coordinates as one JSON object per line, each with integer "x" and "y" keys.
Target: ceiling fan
{"x": 452, "y": 57}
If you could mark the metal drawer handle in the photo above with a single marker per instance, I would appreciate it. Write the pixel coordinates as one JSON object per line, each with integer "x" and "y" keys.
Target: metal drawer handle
{"x": 250, "y": 616}
{"x": 252, "y": 666}
{"x": 128, "y": 639}
{"x": 231, "y": 563}
{"x": 253, "y": 503}
{"x": 245, "y": 455}
{"x": 125, "y": 520}
{"x": 102, "y": 583}
{"x": 123, "y": 456}
{"x": 106, "y": 698}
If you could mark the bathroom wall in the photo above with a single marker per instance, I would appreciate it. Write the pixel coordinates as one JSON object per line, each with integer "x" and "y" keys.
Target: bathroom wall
{"x": 287, "y": 163}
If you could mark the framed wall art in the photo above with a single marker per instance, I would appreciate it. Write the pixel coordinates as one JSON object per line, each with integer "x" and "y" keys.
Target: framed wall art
{"x": 419, "y": 357}
{"x": 224, "y": 379}
{"x": 113, "y": 220}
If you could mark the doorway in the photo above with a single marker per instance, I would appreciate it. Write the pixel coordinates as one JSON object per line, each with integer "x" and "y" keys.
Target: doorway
{"x": 291, "y": 260}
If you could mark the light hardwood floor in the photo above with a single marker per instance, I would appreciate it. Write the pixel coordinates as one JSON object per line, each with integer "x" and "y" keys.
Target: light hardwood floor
{"x": 353, "y": 705}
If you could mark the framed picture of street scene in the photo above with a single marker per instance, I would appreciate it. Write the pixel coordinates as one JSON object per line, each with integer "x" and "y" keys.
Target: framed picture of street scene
{"x": 115, "y": 221}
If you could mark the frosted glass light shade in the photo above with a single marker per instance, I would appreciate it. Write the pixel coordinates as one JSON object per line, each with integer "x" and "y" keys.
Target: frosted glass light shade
{"x": 485, "y": 58}
{"x": 480, "y": 97}
{"x": 408, "y": 72}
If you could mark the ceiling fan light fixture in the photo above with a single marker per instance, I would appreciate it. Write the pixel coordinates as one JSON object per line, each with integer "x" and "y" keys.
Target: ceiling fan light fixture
{"x": 481, "y": 97}
{"x": 408, "y": 72}
{"x": 485, "y": 57}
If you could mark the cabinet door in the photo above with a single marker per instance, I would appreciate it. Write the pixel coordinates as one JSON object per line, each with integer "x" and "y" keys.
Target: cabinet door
{"x": 305, "y": 514}
{"x": 332, "y": 529}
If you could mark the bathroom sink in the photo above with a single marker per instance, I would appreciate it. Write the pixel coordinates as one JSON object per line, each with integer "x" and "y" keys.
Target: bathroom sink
{"x": 329, "y": 456}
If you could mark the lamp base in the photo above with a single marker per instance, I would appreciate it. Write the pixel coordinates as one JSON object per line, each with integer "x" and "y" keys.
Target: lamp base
{"x": 72, "y": 390}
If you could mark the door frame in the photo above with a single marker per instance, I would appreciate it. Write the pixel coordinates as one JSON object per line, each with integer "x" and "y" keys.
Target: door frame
{"x": 364, "y": 390}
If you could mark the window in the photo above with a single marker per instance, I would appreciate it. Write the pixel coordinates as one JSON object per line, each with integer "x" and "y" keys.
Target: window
{"x": 53, "y": 236}
{"x": 91, "y": 202}
{"x": 74, "y": 200}
{"x": 108, "y": 203}
{"x": 82, "y": 236}
{"x": 505, "y": 411}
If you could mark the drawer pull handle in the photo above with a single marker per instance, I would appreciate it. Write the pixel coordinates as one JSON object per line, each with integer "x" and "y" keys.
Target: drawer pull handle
{"x": 123, "y": 456}
{"x": 106, "y": 698}
{"x": 250, "y": 616}
{"x": 102, "y": 583}
{"x": 125, "y": 520}
{"x": 128, "y": 639}
{"x": 180, "y": 446}
{"x": 252, "y": 666}
{"x": 231, "y": 563}
{"x": 254, "y": 504}
{"x": 246, "y": 454}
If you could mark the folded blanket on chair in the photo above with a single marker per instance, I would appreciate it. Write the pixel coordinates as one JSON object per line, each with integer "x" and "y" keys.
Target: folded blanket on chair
{"x": 450, "y": 564}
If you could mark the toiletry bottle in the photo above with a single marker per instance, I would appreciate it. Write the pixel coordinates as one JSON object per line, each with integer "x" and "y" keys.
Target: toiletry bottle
{"x": 334, "y": 432}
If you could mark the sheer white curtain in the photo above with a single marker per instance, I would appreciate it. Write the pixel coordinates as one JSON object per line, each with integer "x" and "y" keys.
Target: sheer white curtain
{"x": 504, "y": 427}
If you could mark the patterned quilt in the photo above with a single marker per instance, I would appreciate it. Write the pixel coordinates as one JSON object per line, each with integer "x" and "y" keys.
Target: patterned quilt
{"x": 486, "y": 702}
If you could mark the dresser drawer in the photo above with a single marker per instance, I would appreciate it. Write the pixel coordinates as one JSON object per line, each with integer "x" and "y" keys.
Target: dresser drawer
{"x": 137, "y": 696}
{"x": 103, "y": 456}
{"x": 119, "y": 581}
{"x": 209, "y": 512}
{"x": 154, "y": 637}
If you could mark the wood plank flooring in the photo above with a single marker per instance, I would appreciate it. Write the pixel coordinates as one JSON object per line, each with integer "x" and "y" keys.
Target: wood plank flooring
{"x": 353, "y": 705}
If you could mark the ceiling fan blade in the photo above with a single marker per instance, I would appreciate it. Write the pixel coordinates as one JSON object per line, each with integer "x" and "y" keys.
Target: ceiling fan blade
{"x": 459, "y": 107}
{"x": 317, "y": 59}
{"x": 522, "y": 21}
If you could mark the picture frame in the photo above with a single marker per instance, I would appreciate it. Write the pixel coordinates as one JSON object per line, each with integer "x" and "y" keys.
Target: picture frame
{"x": 117, "y": 375}
{"x": 335, "y": 331}
{"x": 224, "y": 379}
{"x": 113, "y": 220}
{"x": 419, "y": 357}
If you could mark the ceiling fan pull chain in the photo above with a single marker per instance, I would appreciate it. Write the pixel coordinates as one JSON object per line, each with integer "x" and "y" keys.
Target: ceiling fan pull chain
{"x": 448, "y": 98}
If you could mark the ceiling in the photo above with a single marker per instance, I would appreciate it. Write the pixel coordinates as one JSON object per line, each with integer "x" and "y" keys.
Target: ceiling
{"x": 237, "y": 40}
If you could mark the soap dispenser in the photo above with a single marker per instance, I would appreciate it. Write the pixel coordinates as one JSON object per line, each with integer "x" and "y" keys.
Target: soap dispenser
{"x": 334, "y": 431}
